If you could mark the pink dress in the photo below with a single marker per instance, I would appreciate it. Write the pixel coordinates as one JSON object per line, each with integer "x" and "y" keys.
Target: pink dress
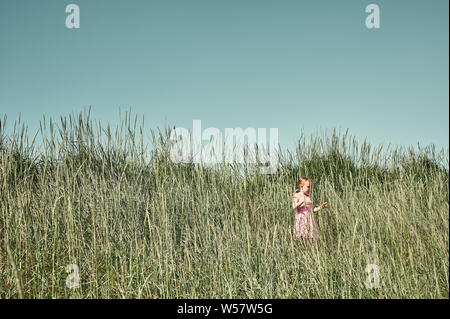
{"x": 305, "y": 225}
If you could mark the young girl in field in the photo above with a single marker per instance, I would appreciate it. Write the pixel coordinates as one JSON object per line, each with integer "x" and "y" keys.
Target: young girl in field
{"x": 304, "y": 224}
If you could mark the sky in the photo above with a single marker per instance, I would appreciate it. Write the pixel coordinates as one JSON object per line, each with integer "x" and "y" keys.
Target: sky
{"x": 299, "y": 66}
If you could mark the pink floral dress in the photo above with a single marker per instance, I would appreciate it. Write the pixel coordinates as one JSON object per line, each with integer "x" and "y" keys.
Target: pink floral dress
{"x": 305, "y": 225}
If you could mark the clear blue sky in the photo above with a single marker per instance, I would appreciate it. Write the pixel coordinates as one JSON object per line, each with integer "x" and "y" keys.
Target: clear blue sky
{"x": 295, "y": 65}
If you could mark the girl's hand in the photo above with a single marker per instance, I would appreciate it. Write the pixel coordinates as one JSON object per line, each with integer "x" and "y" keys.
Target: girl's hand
{"x": 324, "y": 205}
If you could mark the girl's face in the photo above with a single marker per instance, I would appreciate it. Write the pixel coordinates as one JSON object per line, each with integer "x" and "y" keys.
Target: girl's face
{"x": 306, "y": 187}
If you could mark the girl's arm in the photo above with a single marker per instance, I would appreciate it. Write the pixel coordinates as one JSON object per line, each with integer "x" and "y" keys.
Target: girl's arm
{"x": 296, "y": 203}
{"x": 319, "y": 208}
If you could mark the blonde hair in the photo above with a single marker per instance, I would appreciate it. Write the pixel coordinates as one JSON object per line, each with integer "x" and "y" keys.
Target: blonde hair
{"x": 301, "y": 182}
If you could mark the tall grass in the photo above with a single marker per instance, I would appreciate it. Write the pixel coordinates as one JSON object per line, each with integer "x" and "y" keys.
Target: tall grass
{"x": 140, "y": 226}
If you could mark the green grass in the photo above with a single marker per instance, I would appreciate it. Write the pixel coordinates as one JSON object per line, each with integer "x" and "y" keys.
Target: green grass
{"x": 140, "y": 226}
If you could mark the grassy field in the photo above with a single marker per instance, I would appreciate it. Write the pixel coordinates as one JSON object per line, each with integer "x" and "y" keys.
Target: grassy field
{"x": 139, "y": 226}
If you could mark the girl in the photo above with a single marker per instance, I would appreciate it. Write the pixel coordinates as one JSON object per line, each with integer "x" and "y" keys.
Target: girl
{"x": 304, "y": 224}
